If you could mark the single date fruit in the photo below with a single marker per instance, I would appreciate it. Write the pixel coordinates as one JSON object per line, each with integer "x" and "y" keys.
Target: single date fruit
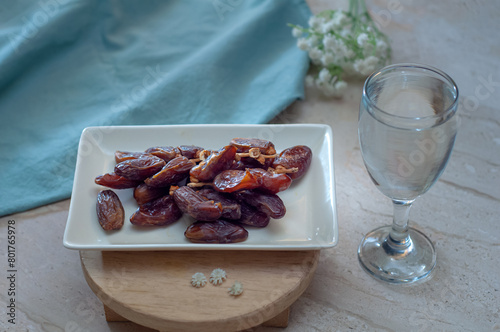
{"x": 217, "y": 162}
{"x": 194, "y": 204}
{"x": 218, "y": 231}
{"x": 110, "y": 211}
{"x": 166, "y": 153}
{"x": 114, "y": 181}
{"x": 160, "y": 212}
{"x": 299, "y": 156}
{"x": 144, "y": 193}
{"x": 270, "y": 204}
{"x": 140, "y": 168}
{"x": 231, "y": 209}
{"x": 174, "y": 171}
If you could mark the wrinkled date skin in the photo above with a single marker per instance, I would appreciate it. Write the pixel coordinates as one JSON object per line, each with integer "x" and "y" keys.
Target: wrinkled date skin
{"x": 140, "y": 168}
{"x": 218, "y": 231}
{"x": 231, "y": 209}
{"x": 271, "y": 182}
{"x": 192, "y": 203}
{"x": 190, "y": 151}
{"x": 299, "y": 156}
{"x": 144, "y": 193}
{"x": 245, "y": 144}
{"x": 270, "y": 204}
{"x": 160, "y": 212}
{"x": 110, "y": 211}
{"x": 217, "y": 162}
{"x": 233, "y": 180}
{"x": 174, "y": 171}
{"x": 166, "y": 153}
{"x": 114, "y": 181}
{"x": 124, "y": 155}
{"x": 250, "y": 216}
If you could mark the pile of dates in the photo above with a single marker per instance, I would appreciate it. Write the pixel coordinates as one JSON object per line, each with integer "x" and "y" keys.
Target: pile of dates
{"x": 224, "y": 191}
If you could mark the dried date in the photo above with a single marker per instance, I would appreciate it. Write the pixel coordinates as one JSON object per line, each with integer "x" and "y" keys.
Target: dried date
{"x": 233, "y": 180}
{"x": 190, "y": 151}
{"x": 217, "y": 162}
{"x": 250, "y": 216}
{"x": 114, "y": 181}
{"x": 174, "y": 171}
{"x": 166, "y": 153}
{"x": 123, "y": 155}
{"x": 270, "y": 204}
{"x": 110, "y": 211}
{"x": 144, "y": 193}
{"x": 194, "y": 204}
{"x": 231, "y": 209}
{"x": 299, "y": 156}
{"x": 140, "y": 168}
{"x": 218, "y": 231}
{"x": 160, "y": 212}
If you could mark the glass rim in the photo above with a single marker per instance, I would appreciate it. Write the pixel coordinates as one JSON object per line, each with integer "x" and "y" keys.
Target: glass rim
{"x": 451, "y": 109}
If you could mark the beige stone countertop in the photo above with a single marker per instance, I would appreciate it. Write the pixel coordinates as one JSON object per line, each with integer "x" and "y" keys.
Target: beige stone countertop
{"x": 461, "y": 212}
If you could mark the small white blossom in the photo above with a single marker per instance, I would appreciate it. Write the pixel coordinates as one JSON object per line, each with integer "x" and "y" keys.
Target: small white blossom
{"x": 339, "y": 19}
{"x": 341, "y": 45}
{"x": 218, "y": 276}
{"x": 362, "y": 39}
{"x": 324, "y": 75}
{"x": 198, "y": 280}
{"x": 340, "y": 86}
{"x": 330, "y": 42}
{"x": 313, "y": 41}
{"x": 327, "y": 59}
{"x": 309, "y": 81}
{"x": 315, "y": 54}
{"x": 328, "y": 26}
{"x": 296, "y": 32}
{"x": 236, "y": 289}
{"x": 366, "y": 66}
{"x": 315, "y": 22}
{"x": 302, "y": 44}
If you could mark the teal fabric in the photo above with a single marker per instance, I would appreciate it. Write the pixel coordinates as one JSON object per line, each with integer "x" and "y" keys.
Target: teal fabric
{"x": 66, "y": 65}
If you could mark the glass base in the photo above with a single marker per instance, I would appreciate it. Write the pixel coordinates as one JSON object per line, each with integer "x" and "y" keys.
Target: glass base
{"x": 396, "y": 262}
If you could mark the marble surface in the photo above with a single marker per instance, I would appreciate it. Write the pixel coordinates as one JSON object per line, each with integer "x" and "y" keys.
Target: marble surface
{"x": 460, "y": 213}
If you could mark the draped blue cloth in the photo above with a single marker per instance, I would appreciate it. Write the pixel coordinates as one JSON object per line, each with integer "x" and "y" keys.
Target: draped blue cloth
{"x": 66, "y": 65}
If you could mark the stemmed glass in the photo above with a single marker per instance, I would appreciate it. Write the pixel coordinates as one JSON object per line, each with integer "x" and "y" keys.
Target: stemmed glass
{"x": 407, "y": 128}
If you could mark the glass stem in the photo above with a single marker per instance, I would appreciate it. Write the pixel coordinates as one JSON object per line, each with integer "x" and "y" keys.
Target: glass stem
{"x": 398, "y": 237}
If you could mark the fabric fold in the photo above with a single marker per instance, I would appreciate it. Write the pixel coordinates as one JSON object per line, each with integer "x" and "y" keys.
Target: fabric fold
{"x": 93, "y": 63}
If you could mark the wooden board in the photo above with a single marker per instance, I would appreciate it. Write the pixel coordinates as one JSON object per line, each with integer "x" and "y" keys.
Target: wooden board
{"x": 153, "y": 289}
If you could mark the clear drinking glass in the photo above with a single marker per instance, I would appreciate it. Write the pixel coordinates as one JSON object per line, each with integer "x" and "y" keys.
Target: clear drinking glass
{"x": 407, "y": 128}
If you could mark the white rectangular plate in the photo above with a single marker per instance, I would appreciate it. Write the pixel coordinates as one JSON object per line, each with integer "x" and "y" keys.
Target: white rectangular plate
{"x": 310, "y": 222}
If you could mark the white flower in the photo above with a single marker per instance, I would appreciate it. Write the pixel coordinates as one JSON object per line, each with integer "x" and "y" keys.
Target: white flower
{"x": 198, "y": 280}
{"x": 218, "y": 276}
{"x": 309, "y": 81}
{"x": 302, "y": 44}
{"x": 340, "y": 86}
{"x": 381, "y": 48}
{"x": 313, "y": 41}
{"x": 339, "y": 19}
{"x": 328, "y": 26}
{"x": 315, "y": 22}
{"x": 315, "y": 54}
{"x": 327, "y": 59}
{"x": 296, "y": 32}
{"x": 366, "y": 66}
{"x": 362, "y": 39}
{"x": 324, "y": 75}
{"x": 236, "y": 289}
{"x": 330, "y": 42}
